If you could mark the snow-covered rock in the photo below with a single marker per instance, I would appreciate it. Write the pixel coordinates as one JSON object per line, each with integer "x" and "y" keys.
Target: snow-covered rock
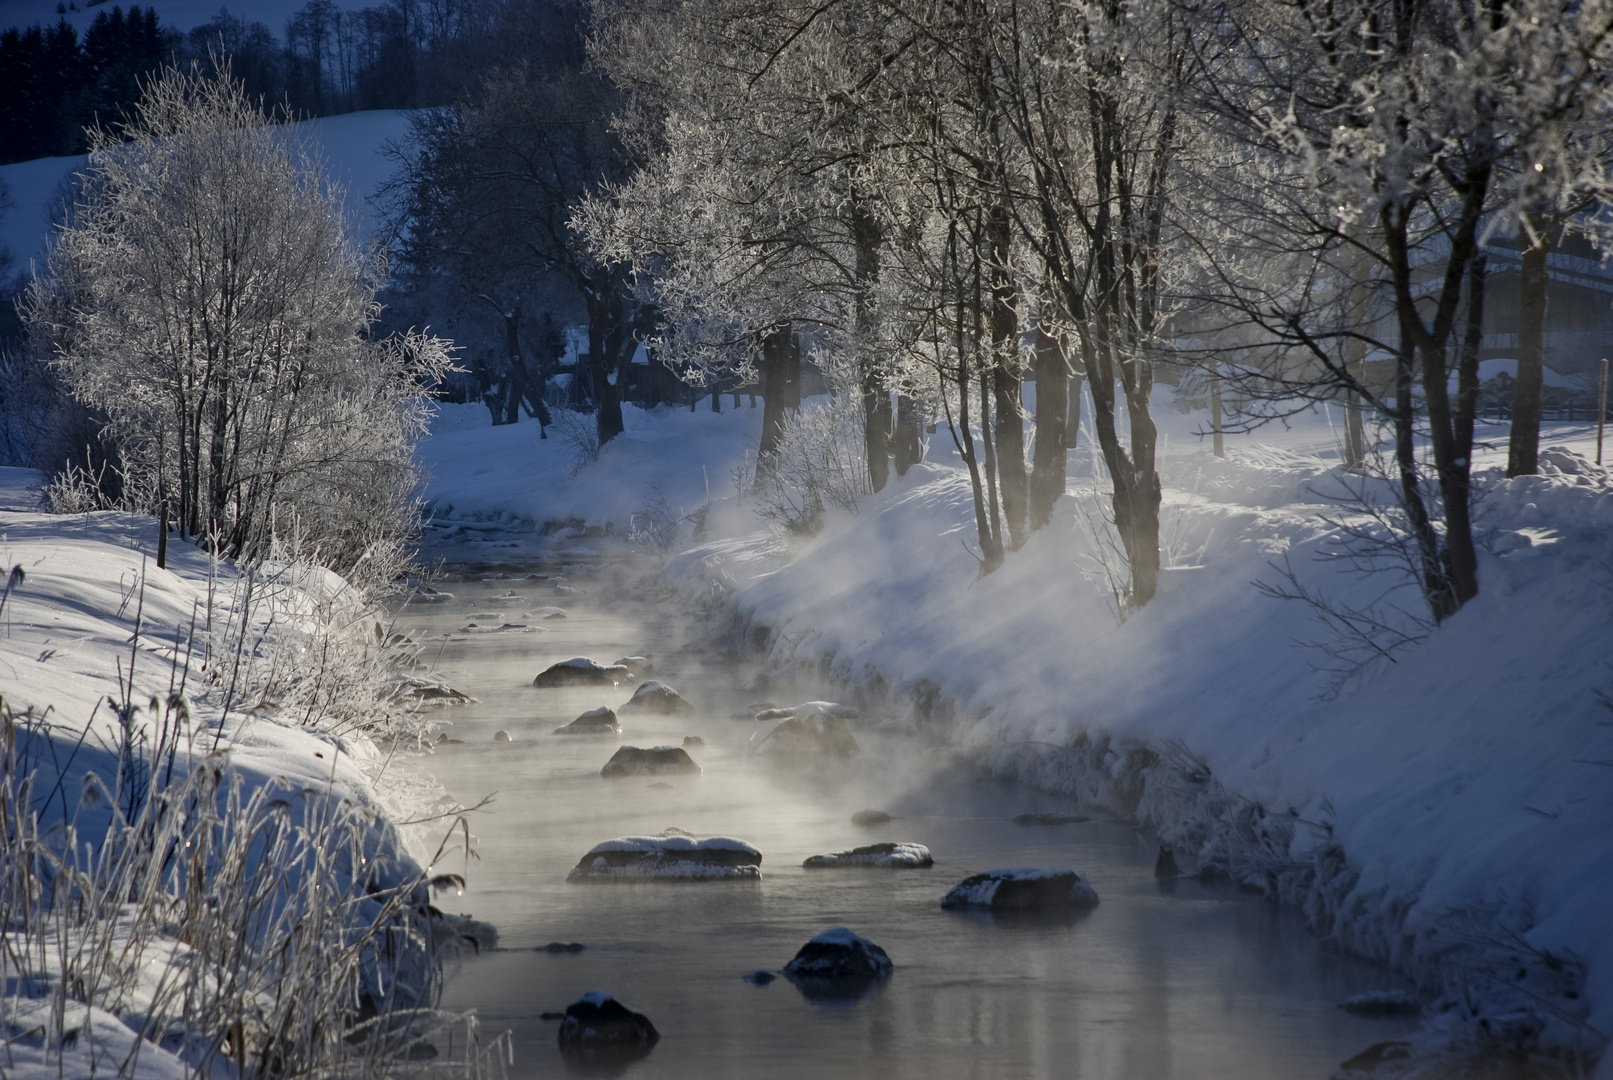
{"x": 896, "y": 855}
{"x": 598, "y": 1021}
{"x": 658, "y": 697}
{"x": 654, "y": 761}
{"x": 772, "y": 713}
{"x": 430, "y": 691}
{"x": 806, "y": 734}
{"x": 669, "y": 857}
{"x": 600, "y": 721}
{"x": 640, "y": 666}
{"x": 581, "y": 671}
{"x": 840, "y": 954}
{"x": 1022, "y": 890}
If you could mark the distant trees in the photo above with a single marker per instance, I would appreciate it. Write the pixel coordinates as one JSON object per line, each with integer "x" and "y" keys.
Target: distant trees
{"x": 487, "y": 190}
{"x": 207, "y": 299}
{"x": 52, "y": 85}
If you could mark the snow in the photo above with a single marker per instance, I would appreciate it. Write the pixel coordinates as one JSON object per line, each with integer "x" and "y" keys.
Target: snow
{"x": 1447, "y": 813}
{"x": 595, "y": 998}
{"x": 840, "y": 935}
{"x": 92, "y": 619}
{"x": 350, "y": 146}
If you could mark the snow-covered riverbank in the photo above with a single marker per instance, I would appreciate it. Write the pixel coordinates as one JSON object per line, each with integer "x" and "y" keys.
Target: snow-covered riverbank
{"x": 1447, "y": 812}
{"x": 121, "y": 680}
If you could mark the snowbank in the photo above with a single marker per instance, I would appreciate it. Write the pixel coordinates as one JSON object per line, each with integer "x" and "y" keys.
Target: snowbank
{"x": 106, "y": 662}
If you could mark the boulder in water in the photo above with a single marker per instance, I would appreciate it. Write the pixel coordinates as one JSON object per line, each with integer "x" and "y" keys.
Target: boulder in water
{"x": 693, "y": 740}
{"x": 658, "y": 697}
{"x": 561, "y": 947}
{"x": 867, "y": 818}
{"x": 640, "y": 666}
{"x": 501, "y": 735}
{"x": 600, "y": 721}
{"x": 581, "y": 671}
{"x": 1381, "y": 1003}
{"x": 636, "y": 761}
{"x": 805, "y": 734}
{"x": 1165, "y": 866}
{"x": 1022, "y": 890}
{"x": 838, "y": 954}
{"x": 900, "y": 856}
{"x": 598, "y": 1021}
{"x": 673, "y": 857}
{"x": 1049, "y": 819}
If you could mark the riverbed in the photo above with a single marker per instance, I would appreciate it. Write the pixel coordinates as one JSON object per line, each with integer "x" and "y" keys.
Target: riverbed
{"x": 1160, "y": 980}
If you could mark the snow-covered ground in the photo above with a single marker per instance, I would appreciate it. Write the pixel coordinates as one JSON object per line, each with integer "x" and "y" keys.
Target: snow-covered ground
{"x": 350, "y": 146}
{"x": 1449, "y": 812}
{"x": 89, "y": 627}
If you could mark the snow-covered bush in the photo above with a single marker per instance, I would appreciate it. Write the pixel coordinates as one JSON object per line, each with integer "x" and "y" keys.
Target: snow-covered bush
{"x": 207, "y": 297}
{"x": 819, "y": 465}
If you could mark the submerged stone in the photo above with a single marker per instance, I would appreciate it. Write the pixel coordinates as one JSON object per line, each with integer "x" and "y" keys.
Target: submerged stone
{"x": 840, "y": 953}
{"x": 1050, "y": 819}
{"x": 805, "y": 734}
{"x": 657, "y": 760}
{"x": 673, "y": 857}
{"x": 901, "y": 855}
{"x": 658, "y": 697}
{"x": 598, "y": 1021}
{"x": 865, "y": 818}
{"x": 600, "y": 721}
{"x": 1022, "y": 890}
{"x": 581, "y": 671}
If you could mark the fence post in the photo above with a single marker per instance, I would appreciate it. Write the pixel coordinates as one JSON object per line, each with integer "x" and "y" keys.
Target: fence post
{"x": 1601, "y": 410}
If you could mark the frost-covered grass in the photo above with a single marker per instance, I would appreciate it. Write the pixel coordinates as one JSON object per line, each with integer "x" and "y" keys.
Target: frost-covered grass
{"x": 1445, "y": 810}
{"x": 215, "y": 860}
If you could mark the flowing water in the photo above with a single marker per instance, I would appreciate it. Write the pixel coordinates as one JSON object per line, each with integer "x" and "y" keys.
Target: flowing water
{"x": 1189, "y": 981}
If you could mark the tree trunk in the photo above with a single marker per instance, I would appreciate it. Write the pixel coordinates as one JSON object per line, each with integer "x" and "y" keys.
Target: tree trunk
{"x": 867, "y": 236}
{"x": 780, "y": 375}
{"x": 908, "y": 444}
{"x": 1072, "y": 418}
{"x": 1523, "y": 446}
{"x": 1010, "y": 427}
{"x": 1047, "y": 476}
{"x": 514, "y": 384}
{"x": 1218, "y": 442}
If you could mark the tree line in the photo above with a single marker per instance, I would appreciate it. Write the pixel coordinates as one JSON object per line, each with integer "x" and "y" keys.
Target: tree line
{"x": 403, "y": 54}
{"x": 1289, "y": 199}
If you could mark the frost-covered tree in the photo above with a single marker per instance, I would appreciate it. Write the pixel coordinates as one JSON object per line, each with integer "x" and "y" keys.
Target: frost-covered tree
{"x": 207, "y": 297}
{"x": 758, "y": 201}
{"x": 1383, "y": 141}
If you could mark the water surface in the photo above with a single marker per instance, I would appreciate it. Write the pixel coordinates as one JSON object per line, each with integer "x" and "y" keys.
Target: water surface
{"x": 1156, "y": 982}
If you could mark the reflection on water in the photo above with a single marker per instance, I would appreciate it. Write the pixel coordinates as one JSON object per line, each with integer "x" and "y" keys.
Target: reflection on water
{"x": 1196, "y": 982}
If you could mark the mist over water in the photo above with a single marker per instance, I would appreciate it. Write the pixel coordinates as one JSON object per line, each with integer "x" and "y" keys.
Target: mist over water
{"x": 1156, "y": 982}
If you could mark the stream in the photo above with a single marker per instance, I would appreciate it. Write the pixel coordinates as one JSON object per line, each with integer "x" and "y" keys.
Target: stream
{"x": 1158, "y": 981}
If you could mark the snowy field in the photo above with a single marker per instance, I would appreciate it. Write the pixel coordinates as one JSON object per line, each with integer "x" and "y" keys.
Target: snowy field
{"x": 1447, "y": 812}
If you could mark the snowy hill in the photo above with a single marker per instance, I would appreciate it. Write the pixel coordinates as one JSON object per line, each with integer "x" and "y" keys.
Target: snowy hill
{"x": 351, "y": 146}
